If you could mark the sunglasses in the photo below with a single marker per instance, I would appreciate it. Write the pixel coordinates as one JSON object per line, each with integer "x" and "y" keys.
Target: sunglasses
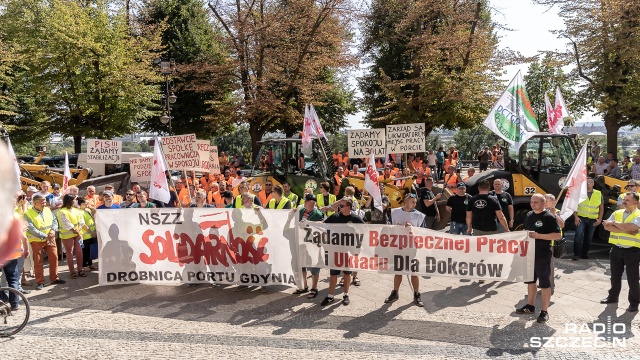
{"x": 131, "y": 194}
{"x": 267, "y": 185}
{"x": 628, "y": 186}
{"x": 414, "y": 196}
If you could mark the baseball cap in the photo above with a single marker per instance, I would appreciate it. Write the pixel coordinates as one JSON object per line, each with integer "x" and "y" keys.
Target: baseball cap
{"x": 32, "y": 189}
{"x": 310, "y": 197}
{"x": 107, "y": 193}
{"x": 227, "y": 194}
{"x": 462, "y": 185}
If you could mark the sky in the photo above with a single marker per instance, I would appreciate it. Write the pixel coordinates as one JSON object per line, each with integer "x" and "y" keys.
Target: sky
{"x": 531, "y": 27}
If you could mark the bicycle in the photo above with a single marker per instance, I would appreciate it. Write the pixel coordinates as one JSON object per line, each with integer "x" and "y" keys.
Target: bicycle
{"x": 12, "y": 321}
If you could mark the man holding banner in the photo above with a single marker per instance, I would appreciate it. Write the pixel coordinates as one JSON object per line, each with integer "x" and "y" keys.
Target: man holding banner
{"x": 544, "y": 228}
{"x": 407, "y": 216}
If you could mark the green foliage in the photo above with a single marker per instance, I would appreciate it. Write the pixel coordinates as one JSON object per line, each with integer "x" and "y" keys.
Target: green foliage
{"x": 339, "y": 142}
{"x": 236, "y": 141}
{"x": 431, "y": 62}
{"x": 204, "y": 95}
{"x": 470, "y": 141}
{"x": 85, "y": 75}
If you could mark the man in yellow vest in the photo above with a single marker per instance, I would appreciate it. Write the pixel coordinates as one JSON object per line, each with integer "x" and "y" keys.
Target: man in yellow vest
{"x": 325, "y": 199}
{"x": 624, "y": 256}
{"x": 278, "y": 201}
{"x": 587, "y": 218}
{"x": 289, "y": 195}
{"x": 243, "y": 188}
{"x": 41, "y": 234}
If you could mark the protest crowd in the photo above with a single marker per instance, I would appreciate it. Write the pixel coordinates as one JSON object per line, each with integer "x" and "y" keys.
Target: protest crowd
{"x": 61, "y": 225}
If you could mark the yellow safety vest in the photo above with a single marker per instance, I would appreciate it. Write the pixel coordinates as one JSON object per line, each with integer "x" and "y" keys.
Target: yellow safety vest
{"x": 332, "y": 199}
{"x": 88, "y": 219}
{"x": 238, "y": 202}
{"x": 590, "y": 207}
{"x": 293, "y": 197}
{"x": 625, "y": 239}
{"x": 43, "y": 223}
{"x": 281, "y": 204}
{"x": 74, "y": 216}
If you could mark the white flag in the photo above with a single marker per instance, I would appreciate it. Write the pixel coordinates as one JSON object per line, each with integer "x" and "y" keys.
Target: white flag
{"x": 512, "y": 117}
{"x": 159, "y": 189}
{"x": 67, "y": 174}
{"x": 307, "y": 130}
{"x": 371, "y": 182}
{"x": 315, "y": 123}
{"x": 16, "y": 166}
{"x": 576, "y": 184}
{"x": 560, "y": 112}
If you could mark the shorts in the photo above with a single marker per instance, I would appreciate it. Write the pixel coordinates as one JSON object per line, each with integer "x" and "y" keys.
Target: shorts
{"x": 542, "y": 272}
{"x": 312, "y": 270}
{"x": 484, "y": 166}
{"x": 333, "y": 272}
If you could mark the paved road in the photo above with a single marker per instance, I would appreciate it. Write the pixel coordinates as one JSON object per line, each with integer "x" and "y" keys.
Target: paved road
{"x": 461, "y": 319}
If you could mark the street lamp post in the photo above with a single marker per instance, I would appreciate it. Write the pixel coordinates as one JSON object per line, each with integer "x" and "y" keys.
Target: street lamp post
{"x": 167, "y": 68}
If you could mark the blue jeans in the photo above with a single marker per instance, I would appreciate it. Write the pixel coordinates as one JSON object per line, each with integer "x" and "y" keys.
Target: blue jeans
{"x": 584, "y": 235}
{"x": 12, "y": 274}
{"x": 458, "y": 228}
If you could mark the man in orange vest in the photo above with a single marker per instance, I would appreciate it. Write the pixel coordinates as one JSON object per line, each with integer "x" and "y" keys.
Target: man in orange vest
{"x": 337, "y": 180}
{"x": 355, "y": 171}
{"x": 266, "y": 194}
{"x": 451, "y": 178}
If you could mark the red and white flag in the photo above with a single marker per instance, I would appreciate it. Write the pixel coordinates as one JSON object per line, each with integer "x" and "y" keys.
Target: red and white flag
{"x": 576, "y": 184}
{"x": 67, "y": 174}
{"x": 315, "y": 123}
{"x": 371, "y": 182}
{"x": 307, "y": 131}
{"x": 159, "y": 189}
{"x": 550, "y": 113}
{"x": 560, "y": 111}
{"x": 16, "y": 166}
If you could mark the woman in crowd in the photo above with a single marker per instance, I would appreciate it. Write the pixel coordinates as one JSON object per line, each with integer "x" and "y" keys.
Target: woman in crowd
{"x": 89, "y": 237}
{"x": 201, "y": 200}
{"x": 71, "y": 222}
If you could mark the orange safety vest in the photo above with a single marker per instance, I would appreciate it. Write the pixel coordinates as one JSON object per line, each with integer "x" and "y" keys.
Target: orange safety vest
{"x": 338, "y": 180}
{"x": 264, "y": 199}
{"x": 215, "y": 198}
{"x": 92, "y": 201}
{"x": 358, "y": 174}
{"x": 378, "y": 163}
{"x": 452, "y": 180}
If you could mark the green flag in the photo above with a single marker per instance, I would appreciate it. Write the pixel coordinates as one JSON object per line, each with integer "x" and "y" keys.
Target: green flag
{"x": 512, "y": 117}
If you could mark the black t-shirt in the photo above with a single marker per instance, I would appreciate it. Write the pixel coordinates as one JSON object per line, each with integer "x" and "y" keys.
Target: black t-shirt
{"x": 426, "y": 194}
{"x": 458, "y": 205}
{"x": 543, "y": 223}
{"x": 505, "y": 200}
{"x": 483, "y": 212}
{"x": 338, "y": 218}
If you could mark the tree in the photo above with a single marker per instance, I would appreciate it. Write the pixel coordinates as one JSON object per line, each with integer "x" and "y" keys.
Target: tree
{"x": 195, "y": 46}
{"x": 544, "y": 76}
{"x": 84, "y": 71}
{"x": 284, "y": 54}
{"x": 431, "y": 62}
{"x": 604, "y": 45}
{"x": 471, "y": 141}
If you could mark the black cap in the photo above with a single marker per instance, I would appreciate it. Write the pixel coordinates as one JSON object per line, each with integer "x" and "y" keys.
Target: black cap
{"x": 462, "y": 185}
{"x": 227, "y": 194}
{"x": 310, "y": 197}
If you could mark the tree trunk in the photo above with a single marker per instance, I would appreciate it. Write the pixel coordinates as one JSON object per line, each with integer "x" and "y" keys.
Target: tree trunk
{"x": 612, "y": 127}
{"x": 77, "y": 144}
{"x": 256, "y": 135}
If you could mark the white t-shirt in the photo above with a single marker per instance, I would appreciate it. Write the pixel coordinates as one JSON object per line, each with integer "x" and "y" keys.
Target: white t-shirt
{"x": 599, "y": 169}
{"x": 413, "y": 217}
{"x": 432, "y": 159}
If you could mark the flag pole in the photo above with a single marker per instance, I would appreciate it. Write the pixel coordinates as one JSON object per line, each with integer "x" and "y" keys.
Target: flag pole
{"x": 171, "y": 182}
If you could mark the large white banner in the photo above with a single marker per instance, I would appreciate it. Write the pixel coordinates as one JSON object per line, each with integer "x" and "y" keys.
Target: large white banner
{"x": 140, "y": 168}
{"x": 360, "y": 142}
{"x": 405, "y": 138}
{"x": 393, "y": 249}
{"x": 197, "y": 245}
{"x": 205, "y": 154}
{"x": 181, "y": 152}
{"x": 104, "y": 151}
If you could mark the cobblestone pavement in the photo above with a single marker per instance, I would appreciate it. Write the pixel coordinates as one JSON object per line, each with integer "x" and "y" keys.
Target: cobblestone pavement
{"x": 461, "y": 319}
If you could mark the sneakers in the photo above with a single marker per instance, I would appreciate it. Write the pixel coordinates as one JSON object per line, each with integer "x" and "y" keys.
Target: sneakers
{"x": 527, "y": 309}
{"x": 417, "y": 300}
{"x": 59, "y": 282}
{"x": 327, "y": 301}
{"x": 25, "y": 291}
{"x": 543, "y": 317}
{"x": 345, "y": 300}
{"x": 40, "y": 287}
{"x": 393, "y": 297}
